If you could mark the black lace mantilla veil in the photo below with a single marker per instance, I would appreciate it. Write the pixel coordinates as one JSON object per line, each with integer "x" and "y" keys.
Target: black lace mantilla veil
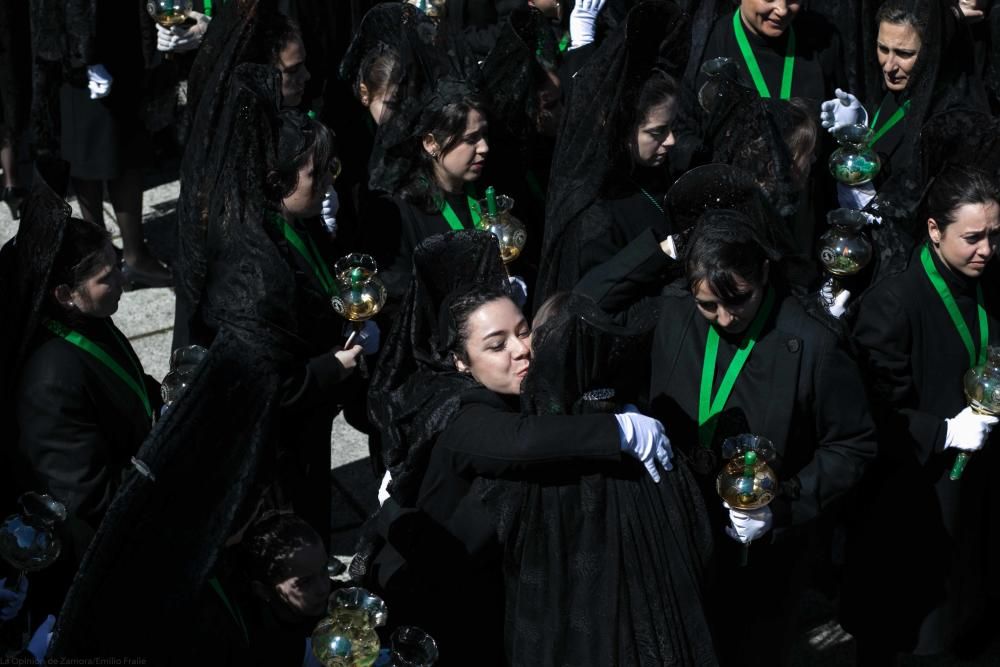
{"x": 593, "y": 135}
{"x": 435, "y": 67}
{"x": 415, "y": 388}
{"x": 526, "y": 47}
{"x": 25, "y": 266}
{"x": 602, "y": 568}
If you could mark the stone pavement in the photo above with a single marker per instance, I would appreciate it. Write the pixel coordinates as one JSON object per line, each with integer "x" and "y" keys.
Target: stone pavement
{"x": 146, "y": 317}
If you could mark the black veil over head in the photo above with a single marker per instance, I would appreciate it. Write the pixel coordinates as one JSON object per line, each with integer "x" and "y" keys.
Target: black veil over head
{"x": 580, "y": 358}
{"x": 525, "y": 50}
{"x": 435, "y": 68}
{"x": 594, "y": 136}
{"x": 415, "y": 388}
{"x": 944, "y": 78}
{"x": 26, "y": 263}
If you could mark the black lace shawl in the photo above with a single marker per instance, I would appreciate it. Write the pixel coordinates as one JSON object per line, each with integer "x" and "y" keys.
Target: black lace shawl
{"x": 603, "y": 568}
{"x": 415, "y": 389}
{"x": 593, "y": 137}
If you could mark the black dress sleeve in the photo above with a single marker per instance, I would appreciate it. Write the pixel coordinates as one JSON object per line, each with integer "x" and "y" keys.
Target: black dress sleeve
{"x": 882, "y": 331}
{"x": 619, "y": 285}
{"x": 486, "y": 439}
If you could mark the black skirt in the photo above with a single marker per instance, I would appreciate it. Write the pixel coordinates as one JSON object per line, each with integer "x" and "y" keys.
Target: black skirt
{"x": 102, "y": 138}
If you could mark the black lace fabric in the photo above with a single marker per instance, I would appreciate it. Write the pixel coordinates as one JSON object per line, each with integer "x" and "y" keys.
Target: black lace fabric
{"x": 526, "y": 48}
{"x": 603, "y": 567}
{"x": 415, "y": 387}
{"x": 593, "y": 137}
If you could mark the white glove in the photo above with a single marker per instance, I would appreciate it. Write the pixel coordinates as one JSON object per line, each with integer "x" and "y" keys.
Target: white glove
{"x": 968, "y": 430}
{"x": 38, "y": 646}
{"x": 582, "y": 21}
{"x": 98, "y": 81}
{"x": 383, "y": 491}
{"x": 331, "y": 204}
{"x": 843, "y": 110}
{"x": 855, "y": 198}
{"x": 518, "y": 290}
{"x": 11, "y": 600}
{"x": 180, "y": 38}
{"x": 643, "y": 437}
{"x": 748, "y": 525}
{"x": 835, "y": 305}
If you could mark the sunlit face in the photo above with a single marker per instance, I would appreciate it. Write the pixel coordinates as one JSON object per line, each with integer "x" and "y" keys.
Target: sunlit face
{"x": 968, "y": 244}
{"x": 768, "y": 18}
{"x": 464, "y": 161}
{"x": 306, "y": 199}
{"x": 735, "y": 316}
{"x": 898, "y": 49}
{"x": 306, "y": 586}
{"x": 98, "y": 295}
{"x": 498, "y": 348}
{"x": 294, "y": 75}
{"x": 654, "y": 136}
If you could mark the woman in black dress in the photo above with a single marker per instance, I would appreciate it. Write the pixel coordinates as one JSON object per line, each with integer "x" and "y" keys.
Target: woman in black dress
{"x": 736, "y": 353}
{"x": 610, "y": 170}
{"x": 81, "y": 404}
{"x": 919, "y": 332}
{"x": 445, "y": 397}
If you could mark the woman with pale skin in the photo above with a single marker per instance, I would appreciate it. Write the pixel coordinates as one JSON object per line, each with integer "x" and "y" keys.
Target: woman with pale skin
{"x": 919, "y": 332}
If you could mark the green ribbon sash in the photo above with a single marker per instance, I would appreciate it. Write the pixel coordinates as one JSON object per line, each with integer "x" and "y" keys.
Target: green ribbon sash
{"x": 956, "y": 317}
{"x": 707, "y": 407}
{"x": 788, "y": 71}
{"x": 136, "y": 383}
{"x": 310, "y": 252}
{"x": 452, "y": 219}
{"x": 889, "y": 124}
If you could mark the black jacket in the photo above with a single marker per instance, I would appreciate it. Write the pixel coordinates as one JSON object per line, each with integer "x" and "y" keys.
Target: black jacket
{"x": 915, "y": 361}
{"x": 800, "y": 388}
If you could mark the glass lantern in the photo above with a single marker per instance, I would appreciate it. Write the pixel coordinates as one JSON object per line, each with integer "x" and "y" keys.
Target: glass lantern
{"x": 854, "y": 162}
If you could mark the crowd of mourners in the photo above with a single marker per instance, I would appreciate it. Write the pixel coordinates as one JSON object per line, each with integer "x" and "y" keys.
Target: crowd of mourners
{"x": 747, "y": 225}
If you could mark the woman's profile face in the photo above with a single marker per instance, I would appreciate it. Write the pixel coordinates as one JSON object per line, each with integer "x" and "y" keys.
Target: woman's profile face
{"x": 498, "y": 347}
{"x": 294, "y": 75}
{"x": 898, "y": 49}
{"x": 98, "y": 294}
{"x": 306, "y": 585}
{"x": 734, "y": 315}
{"x": 306, "y": 199}
{"x": 969, "y": 243}
{"x": 654, "y": 135}
{"x": 464, "y": 161}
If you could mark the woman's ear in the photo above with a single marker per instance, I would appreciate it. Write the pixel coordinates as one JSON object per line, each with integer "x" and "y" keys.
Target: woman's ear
{"x": 933, "y": 231}
{"x": 431, "y": 146}
{"x": 363, "y": 95}
{"x": 64, "y": 295}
